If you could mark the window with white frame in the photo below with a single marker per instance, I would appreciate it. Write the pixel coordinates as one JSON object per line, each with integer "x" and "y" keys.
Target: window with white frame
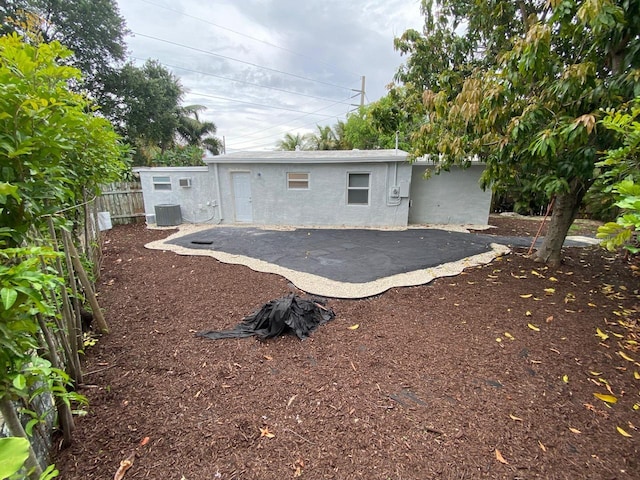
{"x": 162, "y": 183}
{"x": 358, "y": 189}
{"x": 297, "y": 180}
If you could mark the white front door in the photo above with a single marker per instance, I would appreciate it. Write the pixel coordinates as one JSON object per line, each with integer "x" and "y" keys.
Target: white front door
{"x": 242, "y": 196}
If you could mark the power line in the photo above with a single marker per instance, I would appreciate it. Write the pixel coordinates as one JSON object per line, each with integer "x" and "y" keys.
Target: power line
{"x": 243, "y": 34}
{"x": 284, "y": 123}
{"x": 257, "y": 104}
{"x": 243, "y": 81}
{"x": 239, "y": 61}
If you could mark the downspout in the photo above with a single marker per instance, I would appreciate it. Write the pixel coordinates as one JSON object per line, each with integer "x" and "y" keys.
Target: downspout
{"x": 219, "y": 197}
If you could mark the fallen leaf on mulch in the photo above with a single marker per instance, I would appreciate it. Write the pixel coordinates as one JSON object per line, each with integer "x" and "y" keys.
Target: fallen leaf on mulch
{"x": 622, "y": 432}
{"x": 574, "y": 430}
{"x": 625, "y": 356}
{"x": 264, "y": 432}
{"x": 126, "y": 465}
{"x": 513, "y": 417}
{"x": 533, "y": 327}
{"x": 354, "y": 327}
{"x": 500, "y": 458}
{"x": 605, "y": 398}
{"x": 542, "y": 447}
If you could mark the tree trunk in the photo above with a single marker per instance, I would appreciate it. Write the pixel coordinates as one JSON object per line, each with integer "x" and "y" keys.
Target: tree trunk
{"x": 564, "y": 213}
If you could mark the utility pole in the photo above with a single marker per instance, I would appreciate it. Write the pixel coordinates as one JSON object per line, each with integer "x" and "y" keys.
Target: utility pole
{"x": 361, "y": 92}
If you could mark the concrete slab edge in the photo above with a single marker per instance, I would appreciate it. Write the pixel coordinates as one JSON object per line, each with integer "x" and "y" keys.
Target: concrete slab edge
{"x": 325, "y": 287}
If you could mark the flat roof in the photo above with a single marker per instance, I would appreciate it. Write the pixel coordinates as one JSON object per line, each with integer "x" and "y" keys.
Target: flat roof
{"x": 312, "y": 156}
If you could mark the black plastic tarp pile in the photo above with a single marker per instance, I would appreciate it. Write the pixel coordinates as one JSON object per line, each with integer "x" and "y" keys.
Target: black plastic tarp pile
{"x": 291, "y": 313}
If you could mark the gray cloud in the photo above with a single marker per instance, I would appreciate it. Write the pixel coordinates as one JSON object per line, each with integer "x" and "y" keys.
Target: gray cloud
{"x": 333, "y": 42}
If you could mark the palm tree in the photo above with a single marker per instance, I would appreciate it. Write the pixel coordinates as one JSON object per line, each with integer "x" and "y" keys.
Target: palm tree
{"x": 197, "y": 132}
{"x": 292, "y": 142}
{"x": 325, "y": 139}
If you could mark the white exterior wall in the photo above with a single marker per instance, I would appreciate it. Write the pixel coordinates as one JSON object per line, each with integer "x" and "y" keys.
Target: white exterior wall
{"x": 198, "y": 203}
{"x": 453, "y": 197}
{"x": 324, "y": 203}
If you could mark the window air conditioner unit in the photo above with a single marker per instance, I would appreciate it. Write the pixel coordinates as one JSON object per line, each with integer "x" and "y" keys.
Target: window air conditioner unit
{"x": 185, "y": 182}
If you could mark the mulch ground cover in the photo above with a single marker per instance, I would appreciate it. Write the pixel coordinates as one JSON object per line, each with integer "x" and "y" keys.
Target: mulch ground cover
{"x": 489, "y": 374}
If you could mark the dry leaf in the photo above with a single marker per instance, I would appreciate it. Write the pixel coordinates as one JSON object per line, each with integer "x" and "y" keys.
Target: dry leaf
{"x": 605, "y": 398}
{"x": 513, "y": 417}
{"x": 144, "y": 441}
{"x": 528, "y": 295}
{"x": 268, "y": 357}
{"x": 542, "y": 447}
{"x": 636, "y": 406}
{"x": 264, "y": 432}
{"x": 533, "y": 327}
{"x": 528, "y": 313}
{"x": 501, "y": 459}
{"x": 595, "y": 374}
{"x": 622, "y": 432}
{"x": 354, "y": 327}
{"x": 574, "y": 430}
{"x": 550, "y": 290}
{"x": 553, "y": 279}
{"x": 636, "y": 375}
{"x": 603, "y": 336}
{"x": 124, "y": 466}
{"x": 625, "y": 356}
{"x": 509, "y": 336}
{"x": 549, "y": 319}
{"x": 565, "y": 378}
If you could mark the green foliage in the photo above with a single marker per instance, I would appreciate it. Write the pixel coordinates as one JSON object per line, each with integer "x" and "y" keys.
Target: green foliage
{"x": 292, "y": 142}
{"x": 94, "y": 31}
{"x": 180, "y": 156}
{"x": 530, "y": 108}
{"x": 196, "y": 132}
{"x": 14, "y": 452}
{"x": 145, "y": 108}
{"x": 51, "y": 145}
{"x": 22, "y": 290}
{"x": 620, "y": 174}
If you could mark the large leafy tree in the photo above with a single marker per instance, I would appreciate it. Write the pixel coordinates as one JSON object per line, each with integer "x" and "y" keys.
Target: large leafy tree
{"x": 528, "y": 92}
{"x": 146, "y": 108}
{"x": 93, "y": 30}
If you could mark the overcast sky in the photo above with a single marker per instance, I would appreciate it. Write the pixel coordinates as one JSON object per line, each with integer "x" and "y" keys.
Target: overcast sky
{"x": 264, "y": 68}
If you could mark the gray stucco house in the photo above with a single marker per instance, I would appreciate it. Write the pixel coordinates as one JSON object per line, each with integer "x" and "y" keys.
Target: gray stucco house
{"x": 356, "y": 188}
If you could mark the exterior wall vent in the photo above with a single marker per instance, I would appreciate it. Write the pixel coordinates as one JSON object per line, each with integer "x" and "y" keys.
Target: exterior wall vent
{"x": 184, "y": 182}
{"x": 168, "y": 215}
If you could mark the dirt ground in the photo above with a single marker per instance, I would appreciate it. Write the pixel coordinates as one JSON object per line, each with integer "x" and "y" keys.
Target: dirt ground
{"x": 490, "y": 374}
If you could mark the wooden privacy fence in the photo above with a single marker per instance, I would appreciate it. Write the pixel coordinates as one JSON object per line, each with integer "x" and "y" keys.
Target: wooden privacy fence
{"x": 123, "y": 200}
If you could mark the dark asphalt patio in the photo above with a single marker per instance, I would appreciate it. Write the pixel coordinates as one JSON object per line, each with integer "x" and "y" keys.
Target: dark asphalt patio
{"x": 349, "y": 255}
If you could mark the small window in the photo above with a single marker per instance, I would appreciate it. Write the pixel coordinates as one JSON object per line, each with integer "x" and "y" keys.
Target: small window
{"x": 162, "y": 183}
{"x": 358, "y": 189}
{"x": 297, "y": 181}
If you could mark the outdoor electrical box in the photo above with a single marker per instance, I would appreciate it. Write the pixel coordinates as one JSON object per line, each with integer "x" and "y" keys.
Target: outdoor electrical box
{"x": 168, "y": 215}
{"x": 184, "y": 182}
{"x": 394, "y": 192}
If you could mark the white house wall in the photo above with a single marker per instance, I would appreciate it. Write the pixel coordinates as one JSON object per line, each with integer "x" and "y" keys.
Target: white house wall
{"x": 324, "y": 203}
{"x": 453, "y": 197}
{"x": 198, "y": 203}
